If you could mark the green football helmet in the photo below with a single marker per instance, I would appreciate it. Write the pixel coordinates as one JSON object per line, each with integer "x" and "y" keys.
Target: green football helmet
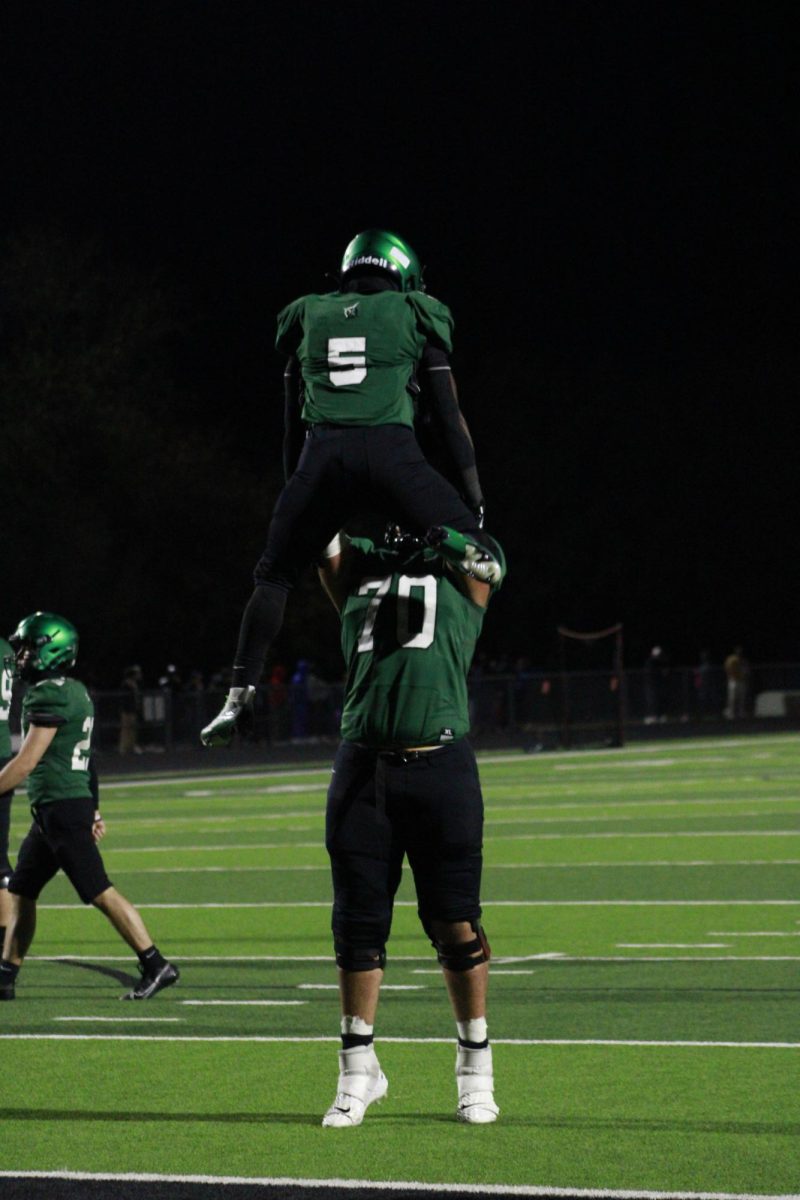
{"x": 378, "y": 250}
{"x": 44, "y": 644}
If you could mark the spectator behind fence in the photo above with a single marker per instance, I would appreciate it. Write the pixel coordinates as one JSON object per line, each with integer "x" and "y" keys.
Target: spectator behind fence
{"x": 737, "y": 673}
{"x": 130, "y": 711}
{"x": 656, "y": 675}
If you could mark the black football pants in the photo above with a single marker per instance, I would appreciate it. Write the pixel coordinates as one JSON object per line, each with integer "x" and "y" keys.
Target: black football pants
{"x": 344, "y": 471}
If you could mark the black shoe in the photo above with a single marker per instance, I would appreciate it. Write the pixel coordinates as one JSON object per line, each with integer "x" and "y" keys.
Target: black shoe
{"x": 7, "y": 992}
{"x": 149, "y": 984}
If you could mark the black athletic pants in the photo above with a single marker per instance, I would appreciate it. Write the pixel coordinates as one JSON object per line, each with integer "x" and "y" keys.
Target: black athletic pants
{"x": 343, "y": 471}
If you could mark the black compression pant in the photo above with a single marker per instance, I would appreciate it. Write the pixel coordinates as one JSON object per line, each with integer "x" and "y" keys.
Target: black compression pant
{"x": 343, "y": 471}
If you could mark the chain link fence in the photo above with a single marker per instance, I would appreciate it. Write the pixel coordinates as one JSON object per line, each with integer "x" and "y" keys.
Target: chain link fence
{"x": 532, "y": 708}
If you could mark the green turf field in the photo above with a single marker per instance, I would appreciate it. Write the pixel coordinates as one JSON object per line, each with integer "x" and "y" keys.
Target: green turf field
{"x": 644, "y": 912}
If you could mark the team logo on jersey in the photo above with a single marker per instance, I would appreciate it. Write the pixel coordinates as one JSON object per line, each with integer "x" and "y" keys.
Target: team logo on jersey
{"x": 447, "y": 735}
{"x": 351, "y": 311}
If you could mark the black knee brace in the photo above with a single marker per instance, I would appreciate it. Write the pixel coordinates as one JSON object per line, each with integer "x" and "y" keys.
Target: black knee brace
{"x": 464, "y": 956}
{"x": 359, "y": 958}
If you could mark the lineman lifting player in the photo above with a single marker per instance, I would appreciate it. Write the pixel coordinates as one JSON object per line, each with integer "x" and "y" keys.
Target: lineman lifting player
{"x": 349, "y": 443}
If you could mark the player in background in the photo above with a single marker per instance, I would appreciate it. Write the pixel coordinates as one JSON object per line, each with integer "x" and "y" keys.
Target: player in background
{"x": 354, "y": 356}
{"x": 6, "y": 681}
{"x": 55, "y": 759}
{"x": 405, "y": 783}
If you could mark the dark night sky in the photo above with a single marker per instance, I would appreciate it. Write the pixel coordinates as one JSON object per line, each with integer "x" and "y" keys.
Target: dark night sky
{"x": 601, "y": 192}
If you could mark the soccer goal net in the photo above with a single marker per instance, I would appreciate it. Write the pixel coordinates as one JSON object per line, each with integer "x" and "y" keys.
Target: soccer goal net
{"x": 592, "y": 687}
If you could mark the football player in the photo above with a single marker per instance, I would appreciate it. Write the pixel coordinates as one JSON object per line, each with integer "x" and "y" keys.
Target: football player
{"x": 405, "y": 784}
{"x": 354, "y": 357}
{"x": 6, "y": 678}
{"x": 55, "y": 759}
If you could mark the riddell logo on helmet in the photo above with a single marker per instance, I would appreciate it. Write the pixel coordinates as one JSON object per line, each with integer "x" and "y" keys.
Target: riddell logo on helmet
{"x": 370, "y": 260}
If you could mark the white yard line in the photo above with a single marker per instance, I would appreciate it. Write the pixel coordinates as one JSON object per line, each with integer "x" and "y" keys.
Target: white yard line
{"x": 492, "y": 867}
{"x": 120, "y": 1020}
{"x": 672, "y": 946}
{"x": 408, "y": 1041}
{"x": 240, "y": 1003}
{"x": 237, "y": 904}
{"x": 355, "y": 1185}
{"x": 758, "y": 933}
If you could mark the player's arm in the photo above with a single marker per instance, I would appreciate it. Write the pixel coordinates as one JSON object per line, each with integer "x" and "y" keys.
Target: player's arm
{"x": 442, "y": 397}
{"x": 37, "y": 741}
{"x": 99, "y": 825}
{"x": 293, "y": 430}
{"x": 333, "y": 568}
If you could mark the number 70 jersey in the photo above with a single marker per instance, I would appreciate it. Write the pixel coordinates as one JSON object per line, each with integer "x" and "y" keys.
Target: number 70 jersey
{"x": 63, "y": 771}
{"x": 358, "y": 352}
{"x": 408, "y": 637}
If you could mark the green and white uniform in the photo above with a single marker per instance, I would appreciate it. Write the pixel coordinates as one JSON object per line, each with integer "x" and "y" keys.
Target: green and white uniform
{"x": 63, "y": 771}
{"x": 358, "y": 352}
{"x": 6, "y": 681}
{"x": 408, "y": 638}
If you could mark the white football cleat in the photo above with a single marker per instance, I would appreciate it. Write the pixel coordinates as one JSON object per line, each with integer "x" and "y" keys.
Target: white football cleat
{"x": 220, "y": 731}
{"x": 361, "y": 1083}
{"x": 475, "y": 1080}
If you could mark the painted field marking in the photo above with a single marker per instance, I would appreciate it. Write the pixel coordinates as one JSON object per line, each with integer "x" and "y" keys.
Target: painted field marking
{"x": 759, "y": 933}
{"x": 408, "y": 1041}
{"x": 589, "y": 810}
{"x": 677, "y": 862}
{"x": 239, "y": 1003}
{"x": 239, "y": 904}
{"x": 328, "y": 959}
{"x": 355, "y": 1185}
{"x": 385, "y": 987}
{"x": 119, "y": 1020}
{"x": 537, "y": 866}
{"x": 511, "y": 837}
{"x": 208, "y": 870}
{"x": 161, "y": 849}
{"x": 672, "y": 833}
{"x": 671, "y": 946}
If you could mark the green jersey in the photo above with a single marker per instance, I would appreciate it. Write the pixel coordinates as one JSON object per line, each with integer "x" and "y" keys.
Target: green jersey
{"x": 358, "y": 352}
{"x": 63, "y": 771}
{"x": 408, "y": 637}
{"x": 6, "y": 678}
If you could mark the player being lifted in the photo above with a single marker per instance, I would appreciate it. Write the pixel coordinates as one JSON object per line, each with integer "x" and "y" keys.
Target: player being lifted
{"x": 349, "y": 444}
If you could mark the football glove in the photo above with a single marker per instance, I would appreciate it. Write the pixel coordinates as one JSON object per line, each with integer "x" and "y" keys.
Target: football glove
{"x": 465, "y": 554}
{"x": 234, "y": 713}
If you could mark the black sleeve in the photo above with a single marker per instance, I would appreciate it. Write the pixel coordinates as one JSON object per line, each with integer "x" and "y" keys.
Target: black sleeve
{"x": 440, "y": 392}
{"x": 46, "y": 720}
{"x": 293, "y": 431}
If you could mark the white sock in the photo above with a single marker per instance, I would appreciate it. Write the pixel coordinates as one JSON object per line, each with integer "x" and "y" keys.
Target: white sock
{"x": 357, "y": 1026}
{"x": 474, "y": 1030}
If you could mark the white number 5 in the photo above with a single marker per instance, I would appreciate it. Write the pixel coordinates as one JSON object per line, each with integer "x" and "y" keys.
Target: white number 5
{"x": 347, "y": 359}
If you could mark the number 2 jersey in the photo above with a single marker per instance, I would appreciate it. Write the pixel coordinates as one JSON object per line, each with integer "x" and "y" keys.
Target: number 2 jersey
{"x": 6, "y": 679}
{"x": 408, "y": 637}
{"x": 63, "y": 771}
{"x": 358, "y": 352}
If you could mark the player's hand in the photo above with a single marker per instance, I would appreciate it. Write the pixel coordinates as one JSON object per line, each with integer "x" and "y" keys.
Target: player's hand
{"x": 236, "y": 712}
{"x": 98, "y": 827}
{"x": 466, "y": 555}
